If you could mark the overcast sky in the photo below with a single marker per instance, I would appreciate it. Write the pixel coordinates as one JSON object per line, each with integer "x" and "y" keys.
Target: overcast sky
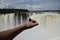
{"x": 31, "y": 4}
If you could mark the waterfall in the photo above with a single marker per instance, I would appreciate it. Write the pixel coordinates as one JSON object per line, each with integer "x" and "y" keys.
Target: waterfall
{"x": 49, "y": 21}
{"x": 7, "y": 21}
{"x": 48, "y": 28}
{"x": 10, "y": 20}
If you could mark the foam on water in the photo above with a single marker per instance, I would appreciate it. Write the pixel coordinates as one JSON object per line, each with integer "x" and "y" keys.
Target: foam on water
{"x": 48, "y": 28}
{"x": 50, "y": 22}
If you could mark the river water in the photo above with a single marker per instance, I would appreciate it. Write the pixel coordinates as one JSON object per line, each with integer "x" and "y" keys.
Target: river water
{"x": 48, "y": 28}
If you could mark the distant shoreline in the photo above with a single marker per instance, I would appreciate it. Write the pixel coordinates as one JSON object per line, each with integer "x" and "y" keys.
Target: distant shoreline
{"x": 23, "y": 10}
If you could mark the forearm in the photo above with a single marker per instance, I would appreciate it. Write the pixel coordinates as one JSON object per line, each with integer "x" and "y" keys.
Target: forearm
{"x": 10, "y": 34}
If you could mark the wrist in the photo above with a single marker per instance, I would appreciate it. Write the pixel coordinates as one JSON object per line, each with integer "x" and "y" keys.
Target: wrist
{"x": 23, "y": 26}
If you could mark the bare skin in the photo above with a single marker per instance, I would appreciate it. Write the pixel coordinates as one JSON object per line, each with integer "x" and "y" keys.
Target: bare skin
{"x": 12, "y": 33}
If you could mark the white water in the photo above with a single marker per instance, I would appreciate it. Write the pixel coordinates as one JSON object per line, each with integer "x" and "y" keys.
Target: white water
{"x": 48, "y": 28}
{"x": 6, "y": 22}
{"x": 50, "y": 22}
{"x": 11, "y": 20}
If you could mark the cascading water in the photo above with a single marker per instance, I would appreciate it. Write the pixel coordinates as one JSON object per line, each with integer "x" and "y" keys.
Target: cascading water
{"x": 48, "y": 28}
{"x": 49, "y": 21}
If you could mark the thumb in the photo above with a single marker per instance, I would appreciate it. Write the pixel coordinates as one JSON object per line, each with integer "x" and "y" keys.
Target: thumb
{"x": 30, "y": 19}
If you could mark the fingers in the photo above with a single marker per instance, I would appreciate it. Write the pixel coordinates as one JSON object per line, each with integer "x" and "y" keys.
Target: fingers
{"x": 30, "y": 20}
{"x": 33, "y": 21}
{"x": 35, "y": 24}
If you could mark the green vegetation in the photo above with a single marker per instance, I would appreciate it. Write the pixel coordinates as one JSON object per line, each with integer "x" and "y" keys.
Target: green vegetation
{"x": 13, "y": 10}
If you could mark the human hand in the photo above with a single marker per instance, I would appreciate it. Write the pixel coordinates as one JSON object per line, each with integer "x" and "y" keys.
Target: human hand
{"x": 31, "y": 23}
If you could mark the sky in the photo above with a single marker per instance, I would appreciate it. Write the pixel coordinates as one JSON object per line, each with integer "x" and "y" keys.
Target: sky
{"x": 30, "y": 4}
